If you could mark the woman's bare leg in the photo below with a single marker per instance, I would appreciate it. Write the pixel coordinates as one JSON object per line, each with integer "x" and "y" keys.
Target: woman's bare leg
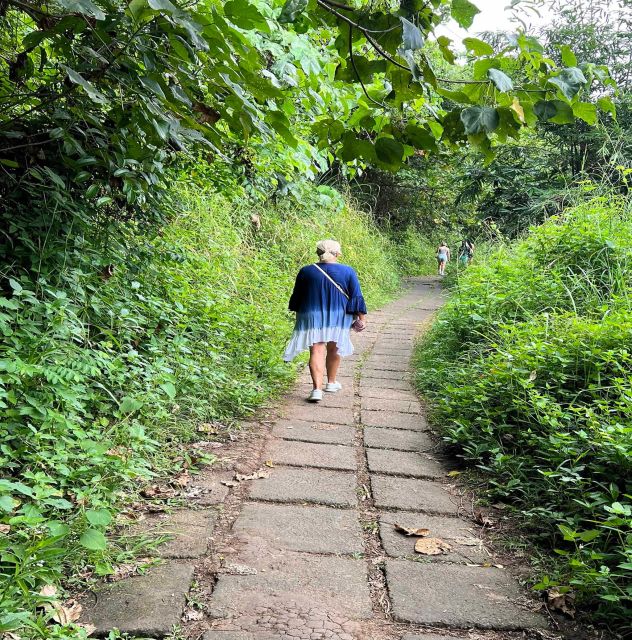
{"x": 317, "y": 363}
{"x": 333, "y": 361}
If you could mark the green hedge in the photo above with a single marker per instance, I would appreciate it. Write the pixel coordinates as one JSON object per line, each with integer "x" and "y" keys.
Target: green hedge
{"x": 529, "y": 371}
{"x": 118, "y": 342}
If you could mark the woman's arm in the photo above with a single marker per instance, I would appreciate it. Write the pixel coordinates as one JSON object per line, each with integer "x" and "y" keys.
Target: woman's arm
{"x": 297, "y": 294}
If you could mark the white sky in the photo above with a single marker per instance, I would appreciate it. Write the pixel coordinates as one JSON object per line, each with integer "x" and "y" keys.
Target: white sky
{"x": 493, "y": 16}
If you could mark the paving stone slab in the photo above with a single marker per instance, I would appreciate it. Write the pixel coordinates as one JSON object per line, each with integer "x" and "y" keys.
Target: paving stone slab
{"x": 287, "y": 484}
{"x": 189, "y": 531}
{"x": 376, "y": 383}
{"x": 394, "y": 420}
{"x": 228, "y": 635}
{"x": 317, "y": 412}
{"x": 148, "y": 605}
{"x": 467, "y": 547}
{"x": 382, "y": 404}
{"x": 314, "y": 432}
{"x": 398, "y": 439}
{"x": 296, "y": 581}
{"x": 383, "y": 364}
{"x": 457, "y": 596}
{"x": 299, "y": 528}
{"x": 380, "y": 350}
{"x": 382, "y": 374}
{"x": 424, "y": 636}
{"x": 391, "y": 492}
{"x": 405, "y": 463}
{"x": 366, "y": 392}
{"x": 211, "y": 490}
{"x": 309, "y": 454}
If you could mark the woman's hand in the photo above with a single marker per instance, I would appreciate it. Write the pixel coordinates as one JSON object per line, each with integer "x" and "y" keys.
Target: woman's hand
{"x": 359, "y": 324}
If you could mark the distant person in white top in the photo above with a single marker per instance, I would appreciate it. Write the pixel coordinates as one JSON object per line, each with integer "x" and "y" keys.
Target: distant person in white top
{"x": 443, "y": 257}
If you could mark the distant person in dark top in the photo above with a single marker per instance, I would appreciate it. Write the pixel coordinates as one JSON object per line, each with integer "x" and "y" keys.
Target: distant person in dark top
{"x": 466, "y": 251}
{"x": 328, "y": 302}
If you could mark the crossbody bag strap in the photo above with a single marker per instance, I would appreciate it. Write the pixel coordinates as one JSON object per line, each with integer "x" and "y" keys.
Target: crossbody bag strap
{"x": 344, "y": 293}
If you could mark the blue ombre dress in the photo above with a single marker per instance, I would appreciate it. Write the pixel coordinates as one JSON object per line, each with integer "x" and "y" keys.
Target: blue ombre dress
{"x": 323, "y": 314}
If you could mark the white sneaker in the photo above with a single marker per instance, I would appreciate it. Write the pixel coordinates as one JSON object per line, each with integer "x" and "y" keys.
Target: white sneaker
{"x": 315, "y": 396}
{"x": 332, "y": 387}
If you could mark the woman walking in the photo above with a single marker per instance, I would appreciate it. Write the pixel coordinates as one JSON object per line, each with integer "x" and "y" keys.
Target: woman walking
{"x": 443, "y": 257}
{"x": 328, "y": 301}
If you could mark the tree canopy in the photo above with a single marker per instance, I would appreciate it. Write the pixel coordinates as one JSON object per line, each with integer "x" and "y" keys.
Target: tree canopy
{"x": 97, "y": 96}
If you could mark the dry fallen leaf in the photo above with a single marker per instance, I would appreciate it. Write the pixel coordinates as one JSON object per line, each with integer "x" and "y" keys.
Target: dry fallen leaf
{"x": 182, "y": 480}
{"x": 192, "y": 615}
{"x": 259, "y": 473}
{"x": 230, "y": 483}
{"x": 207, "y": 427}
{"x": 156, "y": 491}
{"x": 5, "y": 528}
{"x": 483, "y": 520}
{"x": 88, "y": 628}
{"x": 68, "y": 612}
{"x": 411, "y": 531}
{"x": 48, "y": 591}
{"x": 269, "y": 463}
{"x": 432, "y": 546}
{"x": 562, "y": 602}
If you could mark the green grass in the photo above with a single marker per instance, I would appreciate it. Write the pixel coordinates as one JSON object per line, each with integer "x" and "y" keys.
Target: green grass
{"x": 118, "y": 342}
{"x": 529, "y": 372}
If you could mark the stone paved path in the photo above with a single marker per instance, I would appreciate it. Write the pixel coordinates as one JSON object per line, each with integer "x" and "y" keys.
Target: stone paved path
{"x": 311, "y": 551}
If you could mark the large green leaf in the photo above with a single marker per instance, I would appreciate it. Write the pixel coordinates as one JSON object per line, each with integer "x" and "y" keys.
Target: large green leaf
{"x": 412, "y": 37}
{"x": 463, "y": 11}
{"x": 545, "y": 109}
{"x": 364, "y": 67}
{"x": 87, "y": 86}
{"x": 587, "y": 111}
{"x": 478, "y": 47}
{"x": 563, "y": 114}
{"x": 245, "y": 15}
{"x": 292, "y": 10}
{"x": 420, "y": 137}
{"x": 86, "y": 7}
{"x": 99, "y": 517}
{"x": 501, "y": 80}
{"x": 568, "y": 57}
{"x": 606, "y": 104}
{"x": 569, "y": 81}
{"x": 390, "y": 152}
{"x": 93, "y": 540}
{"x": 354, "y": 148}
{"x": 479, "y": 119}
{"x": 129, "y": 405}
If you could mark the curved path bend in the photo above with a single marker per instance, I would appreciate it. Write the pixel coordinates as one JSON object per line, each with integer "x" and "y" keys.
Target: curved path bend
{"x": 309, "y": 551}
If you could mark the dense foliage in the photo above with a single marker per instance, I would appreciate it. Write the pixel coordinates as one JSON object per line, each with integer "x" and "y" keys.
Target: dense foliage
{"x": 97, "y": 96}
{"x": 529, "y": 371}
{"x": 115, "y": 343}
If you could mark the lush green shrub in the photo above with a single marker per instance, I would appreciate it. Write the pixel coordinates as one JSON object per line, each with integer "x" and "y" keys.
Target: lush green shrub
{"x": 529, "y": 369}
{"x": 117, "y": 341}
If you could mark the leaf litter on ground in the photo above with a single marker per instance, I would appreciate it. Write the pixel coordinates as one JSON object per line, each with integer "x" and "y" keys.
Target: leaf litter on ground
{"x": 411, "y": 531}
{"x": 240, "y": 477}
{"x": 432, "y": 546}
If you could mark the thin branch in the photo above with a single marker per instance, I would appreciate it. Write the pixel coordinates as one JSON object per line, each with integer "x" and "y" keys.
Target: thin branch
{"x": 339, "y": 5}
{"x": 351, "y": 23}
{"x": 383, "y": 53}
{"x": 355, "y": 69}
